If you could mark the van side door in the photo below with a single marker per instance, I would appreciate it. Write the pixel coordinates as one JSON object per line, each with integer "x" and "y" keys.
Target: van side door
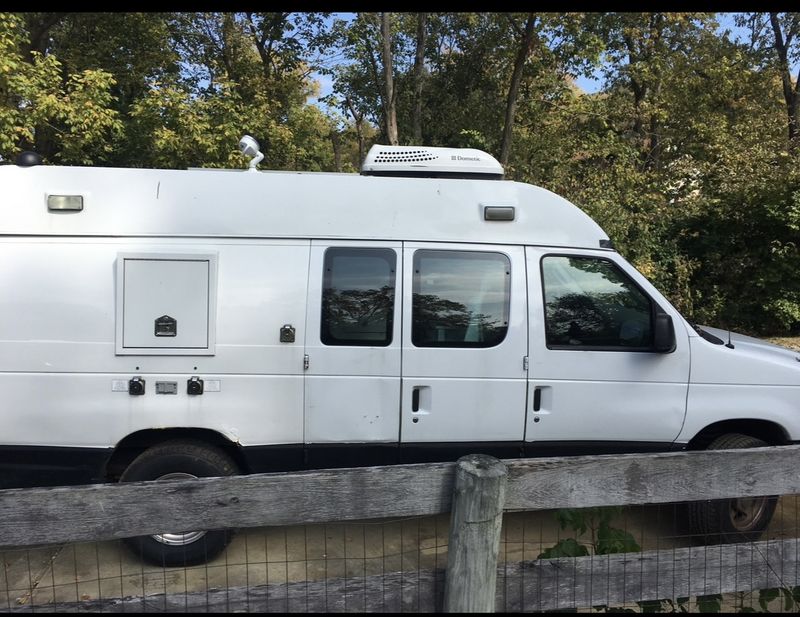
{"x": 352, "y": 380}
{"x": 464, "y": 345}
{"x": 596, "y": 382}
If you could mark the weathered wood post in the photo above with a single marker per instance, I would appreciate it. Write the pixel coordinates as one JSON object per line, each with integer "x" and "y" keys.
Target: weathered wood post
{"x": 478, "y": 498}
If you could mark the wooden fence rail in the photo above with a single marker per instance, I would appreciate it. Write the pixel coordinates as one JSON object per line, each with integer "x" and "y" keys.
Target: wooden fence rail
{"x": 109, "y": 511}
{"x": 39, "y": 516}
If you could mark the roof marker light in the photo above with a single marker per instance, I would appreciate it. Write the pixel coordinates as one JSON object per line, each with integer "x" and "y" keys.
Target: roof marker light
{"x": 65, "y": 203}
{"x": 498, "y": 213}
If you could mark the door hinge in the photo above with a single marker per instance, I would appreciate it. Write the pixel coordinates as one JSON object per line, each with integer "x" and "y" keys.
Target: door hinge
{"x": 305, "y": 362}
{"x": 524, "y": 363}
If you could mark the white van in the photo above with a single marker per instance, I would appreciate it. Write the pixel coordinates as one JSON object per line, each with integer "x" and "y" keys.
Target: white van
{"x": 159, "y": 324}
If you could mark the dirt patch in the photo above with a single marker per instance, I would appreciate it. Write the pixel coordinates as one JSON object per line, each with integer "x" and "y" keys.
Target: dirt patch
{"x": 791, "y": 342}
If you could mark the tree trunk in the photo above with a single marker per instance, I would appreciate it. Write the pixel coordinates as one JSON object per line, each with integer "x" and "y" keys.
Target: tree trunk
{"x": 390, "y": 110}
{"x": 790, "y": 92}
{"x": 513, "y": 89}
{"x": 336, "y": 142}
{"x": 357, "y": 119}
{"x": 642, "y": 48}
{"x": 419, "y": 67}
{"x": 654, "y": 143}
{"x": 39, "y": 26}
{"x": 264, "y": 38}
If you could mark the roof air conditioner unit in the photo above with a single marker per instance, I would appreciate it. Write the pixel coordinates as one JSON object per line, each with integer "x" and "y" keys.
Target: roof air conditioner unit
{"x": 429, "y": 162}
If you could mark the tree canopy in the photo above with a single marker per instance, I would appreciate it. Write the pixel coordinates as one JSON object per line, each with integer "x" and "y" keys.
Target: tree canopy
{"x": 687, "y": 154}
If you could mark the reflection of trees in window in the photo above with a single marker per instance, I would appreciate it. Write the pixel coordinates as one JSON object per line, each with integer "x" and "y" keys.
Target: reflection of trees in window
{"x": 357, "y": 296}
{"x": 594, "y": 266}
{"x": 619, "y": 316}
{"x": 440, "y": 322}
{"x": 573, "y": 318}
{"x": 357, "y": 315}
{"x": 615, "y": 318}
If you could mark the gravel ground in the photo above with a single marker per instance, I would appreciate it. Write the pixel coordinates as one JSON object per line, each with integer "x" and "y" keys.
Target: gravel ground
{"x": 792, "y": 342}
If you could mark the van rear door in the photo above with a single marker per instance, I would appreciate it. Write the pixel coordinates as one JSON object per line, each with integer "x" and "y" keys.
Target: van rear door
{"x": 352, "y": 384}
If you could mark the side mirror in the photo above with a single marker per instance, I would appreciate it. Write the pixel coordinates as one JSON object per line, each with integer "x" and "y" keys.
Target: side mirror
{"x": 664, "y": 334}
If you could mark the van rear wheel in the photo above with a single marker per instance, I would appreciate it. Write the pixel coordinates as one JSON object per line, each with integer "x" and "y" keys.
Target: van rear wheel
{"x": 742, "y": 519}
{"x": 180, "y": 460}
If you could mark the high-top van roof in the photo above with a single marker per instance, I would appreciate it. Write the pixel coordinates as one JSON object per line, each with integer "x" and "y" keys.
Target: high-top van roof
{"x": 251, "y": 204}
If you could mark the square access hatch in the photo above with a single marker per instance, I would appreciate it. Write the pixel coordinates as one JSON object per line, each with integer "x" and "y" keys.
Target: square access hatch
{"x": 166, "y": 304}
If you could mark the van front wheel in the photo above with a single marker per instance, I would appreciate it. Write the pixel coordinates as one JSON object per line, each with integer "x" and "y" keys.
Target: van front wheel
{"x": 741, "y": 519}
{"x": 180, "y": 460}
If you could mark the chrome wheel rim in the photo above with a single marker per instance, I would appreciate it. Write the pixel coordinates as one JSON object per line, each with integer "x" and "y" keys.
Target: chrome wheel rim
{"x": 746, "y": 512}
{"x": 180, "y": 538}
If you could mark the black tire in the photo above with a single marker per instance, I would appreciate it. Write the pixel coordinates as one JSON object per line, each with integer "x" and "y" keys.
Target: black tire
{"x": 171, "y": 460}
{"x": 723, "y": 521}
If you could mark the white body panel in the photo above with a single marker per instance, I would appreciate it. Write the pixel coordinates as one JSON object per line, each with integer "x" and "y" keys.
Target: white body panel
{"x": 754, "y": 379}
{"x": 156, "y": 202}
{"x": 81, "y": 410}
{"x": 57, "y": 350}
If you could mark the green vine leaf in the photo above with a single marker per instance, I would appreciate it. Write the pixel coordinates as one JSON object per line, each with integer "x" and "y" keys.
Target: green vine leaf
{"x": 568, "y": 547}
{"x": 765, "y": 596}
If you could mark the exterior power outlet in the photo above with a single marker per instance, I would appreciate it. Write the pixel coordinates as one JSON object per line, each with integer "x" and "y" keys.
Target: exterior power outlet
{"x": 136, "y": 386}
{"x": 194, "y": 386}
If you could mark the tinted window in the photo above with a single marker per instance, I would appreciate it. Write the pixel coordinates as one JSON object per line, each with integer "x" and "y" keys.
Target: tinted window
{"x": 590, "y": 302}
{"x": 358, "y": 297}
{"x": 460, "y": 298}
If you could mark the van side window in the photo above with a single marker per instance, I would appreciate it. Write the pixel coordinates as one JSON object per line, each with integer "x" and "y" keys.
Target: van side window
{"x": 590, "y": 302}
{"x": 358, "y": 297}
{"x": 460, "y": 298}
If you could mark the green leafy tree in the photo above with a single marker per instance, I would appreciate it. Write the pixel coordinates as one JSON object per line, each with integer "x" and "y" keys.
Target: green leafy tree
{"x": 136, "y": 49}
{"x": 777, "y": 37}
{"x": 241, "y": 73}
{"x": 66, "y": 117}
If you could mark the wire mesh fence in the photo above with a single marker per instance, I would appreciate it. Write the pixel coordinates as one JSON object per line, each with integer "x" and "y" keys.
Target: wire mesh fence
{"x": 644, "y": 559}
{"x": 265, "y": 569}
{"x": 635, "y": 558}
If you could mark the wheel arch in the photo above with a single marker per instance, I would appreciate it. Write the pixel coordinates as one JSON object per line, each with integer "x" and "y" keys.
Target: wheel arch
{"x": 766, "y": 430}
{"x": 134, "y": 444}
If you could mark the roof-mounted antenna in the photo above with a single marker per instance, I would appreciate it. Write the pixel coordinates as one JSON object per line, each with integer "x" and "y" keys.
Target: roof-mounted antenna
{"x": 249, "y": 147}
{"x": 729, "y": 345}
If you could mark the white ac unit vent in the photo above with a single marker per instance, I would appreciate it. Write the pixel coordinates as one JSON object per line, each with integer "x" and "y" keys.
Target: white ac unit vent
{"x": 407, "y": 156}
{"x": 430, "y": 162}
